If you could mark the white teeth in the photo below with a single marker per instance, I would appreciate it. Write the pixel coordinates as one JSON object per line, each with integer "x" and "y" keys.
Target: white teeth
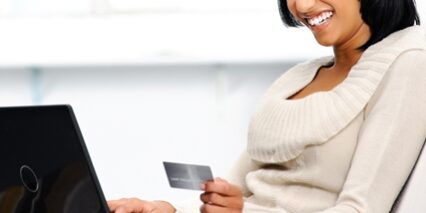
{"x": 321, "y": 18}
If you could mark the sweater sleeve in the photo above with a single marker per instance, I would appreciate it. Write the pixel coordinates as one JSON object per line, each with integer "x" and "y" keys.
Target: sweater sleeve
{"x": 390, "y": 139}
{"x": 239, "y": 171}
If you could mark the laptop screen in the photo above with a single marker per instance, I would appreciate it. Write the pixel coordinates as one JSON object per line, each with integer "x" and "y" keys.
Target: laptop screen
{"x": 44, "y": 164}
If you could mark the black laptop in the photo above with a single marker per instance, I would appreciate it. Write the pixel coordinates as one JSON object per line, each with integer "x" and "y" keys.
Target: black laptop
{"x": 44, "y": 163}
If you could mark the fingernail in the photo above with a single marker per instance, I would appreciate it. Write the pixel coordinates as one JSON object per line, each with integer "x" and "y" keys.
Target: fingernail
{"x": 203, "y": 186}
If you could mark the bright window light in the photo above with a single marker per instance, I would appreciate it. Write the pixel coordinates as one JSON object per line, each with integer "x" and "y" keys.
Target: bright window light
{"x": 194, "y": 5}
{"x": 22, "y": 8}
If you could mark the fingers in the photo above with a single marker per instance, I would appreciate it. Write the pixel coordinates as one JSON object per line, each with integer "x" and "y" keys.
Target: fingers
{"x": 126, "y": 205}
{"x": 114, "y": 204}
{"x": 207, "y": 208}
{"x": 122, "y": 210}
{"x": 221, "y": 197}
{"x": 222, "y": 187}
{"x": 135, "y": 205}
{"x": 220, "y": 200}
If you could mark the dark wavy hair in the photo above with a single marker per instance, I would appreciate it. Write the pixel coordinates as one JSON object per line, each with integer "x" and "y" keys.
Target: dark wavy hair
{"x": 382, "y": 16}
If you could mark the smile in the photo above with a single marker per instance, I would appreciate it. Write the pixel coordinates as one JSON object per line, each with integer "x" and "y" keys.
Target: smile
{"x": 320, "y": 19}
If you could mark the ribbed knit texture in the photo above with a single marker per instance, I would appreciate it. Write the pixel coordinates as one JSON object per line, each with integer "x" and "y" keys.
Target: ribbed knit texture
{"x": 281, "y": 129}
{"x": 348, "y": 150}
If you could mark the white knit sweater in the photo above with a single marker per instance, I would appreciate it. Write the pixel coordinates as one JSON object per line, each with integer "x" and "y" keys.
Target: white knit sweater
{"x": 345, "y": 150}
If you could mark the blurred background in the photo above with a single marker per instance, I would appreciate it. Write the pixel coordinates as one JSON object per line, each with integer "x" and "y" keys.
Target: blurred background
{"x": 150, "y": 80}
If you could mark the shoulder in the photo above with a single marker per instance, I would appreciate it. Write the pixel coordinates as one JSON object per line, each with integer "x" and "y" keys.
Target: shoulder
{"x": 396, "y": 68}
{"x": 403, "y": 83}
{"x": 413, "y": 37}
{"x": 409, "y": 63}
{"x": 402, "y": 55}
{"x": 399, "y": 47}
{"x": 409, "y": 66}
{"x": 407, "y": 74}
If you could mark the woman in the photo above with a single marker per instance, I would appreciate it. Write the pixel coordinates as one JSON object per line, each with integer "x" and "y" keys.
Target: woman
{"x": 336, "y": 134}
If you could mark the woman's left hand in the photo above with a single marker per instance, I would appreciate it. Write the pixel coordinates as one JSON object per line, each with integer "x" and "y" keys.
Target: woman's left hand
{"x": 221, "y": 197}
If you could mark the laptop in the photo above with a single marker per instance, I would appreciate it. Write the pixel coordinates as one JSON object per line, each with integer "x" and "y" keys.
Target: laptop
{"x": 44, "y": 164}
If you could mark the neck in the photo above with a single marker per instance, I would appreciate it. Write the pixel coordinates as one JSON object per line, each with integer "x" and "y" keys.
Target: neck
{"x": 344, "y": 60}
{"x": 347, "y": 54}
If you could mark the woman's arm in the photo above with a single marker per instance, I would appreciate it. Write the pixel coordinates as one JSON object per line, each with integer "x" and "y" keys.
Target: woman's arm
{"x": 226, "y": 195}
{"x": 219, "y": 196}
{"x": 240, "y": 169}
{"x": 390, "y": 139}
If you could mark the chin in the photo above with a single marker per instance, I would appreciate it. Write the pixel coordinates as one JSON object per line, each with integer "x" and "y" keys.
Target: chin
{"x": 325, "y": 42}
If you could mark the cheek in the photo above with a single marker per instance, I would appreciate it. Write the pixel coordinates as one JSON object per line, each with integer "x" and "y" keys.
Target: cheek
{"x": 352, "y": 11}
{"x": 351, "y": 19}
{"x": 291, "y": 6}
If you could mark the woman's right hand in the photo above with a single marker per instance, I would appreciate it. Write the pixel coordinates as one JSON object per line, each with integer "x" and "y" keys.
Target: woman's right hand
{"x": 221, "y": 197}
{"x": 135, "y": 205}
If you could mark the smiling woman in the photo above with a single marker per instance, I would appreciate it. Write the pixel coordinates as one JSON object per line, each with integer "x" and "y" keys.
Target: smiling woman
{"x": 382, "y": 17}
{"x": 323, "y": 17}
{"x": 338, "y": 134}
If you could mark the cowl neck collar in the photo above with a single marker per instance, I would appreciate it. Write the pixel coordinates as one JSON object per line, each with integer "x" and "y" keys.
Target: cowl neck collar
{"x": 281, "y": 128}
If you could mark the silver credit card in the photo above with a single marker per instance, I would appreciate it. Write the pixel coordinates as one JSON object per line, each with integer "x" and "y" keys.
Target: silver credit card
{"x": 187, "y": 176}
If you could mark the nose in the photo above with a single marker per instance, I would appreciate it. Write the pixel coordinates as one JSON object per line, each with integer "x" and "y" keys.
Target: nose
{"x": 304, "y": 6}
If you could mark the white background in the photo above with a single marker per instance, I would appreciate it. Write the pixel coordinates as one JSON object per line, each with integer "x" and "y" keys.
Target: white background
{"x": 149, "y": 80}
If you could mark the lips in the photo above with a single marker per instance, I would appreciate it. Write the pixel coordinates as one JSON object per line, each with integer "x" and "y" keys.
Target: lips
{"x": 319, "y": 19}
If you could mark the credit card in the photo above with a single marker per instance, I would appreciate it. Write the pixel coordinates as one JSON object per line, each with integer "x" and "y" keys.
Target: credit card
{"x": 187, "y": 176}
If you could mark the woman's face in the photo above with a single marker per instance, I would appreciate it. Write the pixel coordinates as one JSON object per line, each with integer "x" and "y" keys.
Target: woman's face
{"x": 335, "y": 23}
